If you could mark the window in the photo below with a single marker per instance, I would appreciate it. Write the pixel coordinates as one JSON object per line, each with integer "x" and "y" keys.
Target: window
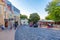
{"x": 0, "y": 8}
{"x": 5, "y": 9}
{"x": 3, "y": 0}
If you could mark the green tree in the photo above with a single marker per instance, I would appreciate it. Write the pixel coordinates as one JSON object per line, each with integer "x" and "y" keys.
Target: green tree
{"x": 48, "y": 17}
{"x": 23, "y": 16}
{"x": 34, "y": 17}
{"x": 53, "y": 10}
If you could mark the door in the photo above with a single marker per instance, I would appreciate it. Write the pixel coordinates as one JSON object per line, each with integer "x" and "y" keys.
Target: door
{"x": 6, "y": 24}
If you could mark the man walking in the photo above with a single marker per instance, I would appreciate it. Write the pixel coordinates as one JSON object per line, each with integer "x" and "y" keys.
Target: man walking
{"x": 16, "y": 24}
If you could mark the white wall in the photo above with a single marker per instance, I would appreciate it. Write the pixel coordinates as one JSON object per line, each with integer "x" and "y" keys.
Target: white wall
{"x": 24, "y": 21}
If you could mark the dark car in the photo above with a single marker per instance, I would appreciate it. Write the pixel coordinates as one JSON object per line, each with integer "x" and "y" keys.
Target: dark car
{"x": 35, "y": 25}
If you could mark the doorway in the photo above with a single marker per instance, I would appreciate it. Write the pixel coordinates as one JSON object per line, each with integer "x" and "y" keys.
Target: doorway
{"x": 6, "y": 23}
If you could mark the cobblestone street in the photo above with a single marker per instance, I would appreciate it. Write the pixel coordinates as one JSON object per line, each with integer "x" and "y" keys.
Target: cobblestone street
{"x": 30, "y": 33}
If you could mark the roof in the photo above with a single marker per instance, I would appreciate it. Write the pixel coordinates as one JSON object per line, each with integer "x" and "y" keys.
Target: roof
{"x": 46, "y": 20}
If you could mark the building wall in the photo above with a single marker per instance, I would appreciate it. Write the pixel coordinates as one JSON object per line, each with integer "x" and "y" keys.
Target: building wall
{"x": 18, "y": 19}
{"x": 24, "y": 21}
{"x": 6, "y": 12}
{"x": 2, "y": 12}
{"x": 16, "y": 13}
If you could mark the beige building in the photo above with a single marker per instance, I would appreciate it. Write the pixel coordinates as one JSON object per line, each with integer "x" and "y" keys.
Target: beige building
{"x": 6, "y": 16}
{"x": 2, "y": 13}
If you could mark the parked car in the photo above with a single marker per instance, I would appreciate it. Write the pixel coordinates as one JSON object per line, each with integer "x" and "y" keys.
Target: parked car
{"x": 35, "y": 25}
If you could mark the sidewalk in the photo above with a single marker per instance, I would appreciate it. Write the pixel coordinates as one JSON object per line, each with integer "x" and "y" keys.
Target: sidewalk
{"x": 7, "y": 35}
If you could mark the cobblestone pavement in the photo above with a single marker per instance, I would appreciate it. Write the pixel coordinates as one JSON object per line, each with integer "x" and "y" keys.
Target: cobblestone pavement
{"x": 7, "y": 35}
{"x": 30, "y": 33}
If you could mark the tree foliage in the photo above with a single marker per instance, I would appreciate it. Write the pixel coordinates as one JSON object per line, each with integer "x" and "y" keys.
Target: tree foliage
{"x": 53, "y": 10}
{"x": 34, "y": 17}
{"x": 23, "y": 16}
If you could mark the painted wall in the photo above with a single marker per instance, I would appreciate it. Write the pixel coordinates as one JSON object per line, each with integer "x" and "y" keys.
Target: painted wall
{"x": 2, "y": 5}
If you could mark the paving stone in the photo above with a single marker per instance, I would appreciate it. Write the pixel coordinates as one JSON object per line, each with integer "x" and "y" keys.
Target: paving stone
{"x": 30, "y": 33}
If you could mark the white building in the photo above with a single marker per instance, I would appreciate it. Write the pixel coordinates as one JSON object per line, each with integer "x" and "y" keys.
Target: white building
{"x": 24, "y": 21}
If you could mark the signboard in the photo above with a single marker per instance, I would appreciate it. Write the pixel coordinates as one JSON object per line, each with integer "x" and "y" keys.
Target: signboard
{"x": 4, "y": 1}
{"x": 15, "y": 10}
{"x": 9, "y": 6}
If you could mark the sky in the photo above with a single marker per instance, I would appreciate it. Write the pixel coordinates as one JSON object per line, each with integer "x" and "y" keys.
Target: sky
{"x": 27, "y": 7}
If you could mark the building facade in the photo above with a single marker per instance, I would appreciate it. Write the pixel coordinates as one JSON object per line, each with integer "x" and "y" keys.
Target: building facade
{"x": 8, "y": 13}
{"x": 24, "y": 21}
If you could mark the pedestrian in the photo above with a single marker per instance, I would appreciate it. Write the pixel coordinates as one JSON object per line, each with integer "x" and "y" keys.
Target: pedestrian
{"x": 49, "y": 25}
{"x": 16, "y": 24}
{"x": 31, "y": 24}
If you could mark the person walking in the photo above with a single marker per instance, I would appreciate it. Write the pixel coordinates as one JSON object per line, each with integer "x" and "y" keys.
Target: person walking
{"x": 16, "y": 24}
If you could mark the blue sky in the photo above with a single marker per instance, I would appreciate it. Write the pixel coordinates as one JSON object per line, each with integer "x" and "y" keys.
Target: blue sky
{"x": 31, "y": 6}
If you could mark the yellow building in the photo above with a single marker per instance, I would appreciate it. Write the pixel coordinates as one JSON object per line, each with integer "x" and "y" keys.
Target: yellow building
{"x": 2, "y": 13}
